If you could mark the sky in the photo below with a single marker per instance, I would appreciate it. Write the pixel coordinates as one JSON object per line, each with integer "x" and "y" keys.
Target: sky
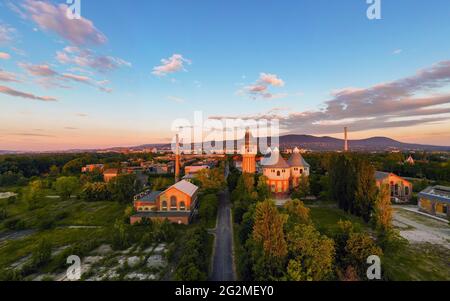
{"x": 124, "y": 72}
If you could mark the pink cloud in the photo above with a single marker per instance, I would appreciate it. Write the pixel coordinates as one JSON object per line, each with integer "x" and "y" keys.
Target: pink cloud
{"x": 53, "y": 18}
{"x": 271, "y": 79}
{"x": 260, "y": 89}
{"x": 4, "y": 56}
{"x": 15, "y": 93}
{"x": 8, "y": 76}
{"x": 171, "y": 65}
{"x": 87, "y": 58}
{"x": 38, "y": 70}
{"x": 48, "y": 77}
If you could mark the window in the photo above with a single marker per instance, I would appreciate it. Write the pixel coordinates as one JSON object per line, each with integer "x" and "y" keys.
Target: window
{"x": 406, "y": 190}
{"x": 173, "y": 203}
{"x": 396, "y": 189}
{"x": 182, "y": 206}
{"x": 278, "y": 173}
{"x": 301, "y": 171}
{"x": 164, "y": 206}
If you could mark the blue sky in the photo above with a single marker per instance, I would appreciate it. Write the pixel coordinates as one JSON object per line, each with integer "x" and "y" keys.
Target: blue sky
{"x": 289, "y": 59}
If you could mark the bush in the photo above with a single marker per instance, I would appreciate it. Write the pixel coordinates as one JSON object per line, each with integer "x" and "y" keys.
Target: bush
{"x": 12, "y": 200}
{"x": 3, "y": 214}
{"x": 42, "y": 253}
{"x": 14, "y": 224}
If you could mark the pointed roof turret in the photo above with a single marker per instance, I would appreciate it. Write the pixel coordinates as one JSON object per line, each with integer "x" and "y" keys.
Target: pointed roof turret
{"x": 296, "y": 159}
{"x": 274, "y": 160}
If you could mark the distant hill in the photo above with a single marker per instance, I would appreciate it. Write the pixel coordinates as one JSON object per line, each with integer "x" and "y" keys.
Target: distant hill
{"x": 308, "y": 142}
{"x": 370, "y": 144}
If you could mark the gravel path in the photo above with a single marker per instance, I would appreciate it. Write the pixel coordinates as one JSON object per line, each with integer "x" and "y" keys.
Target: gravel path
{"x": 419, "y": 229}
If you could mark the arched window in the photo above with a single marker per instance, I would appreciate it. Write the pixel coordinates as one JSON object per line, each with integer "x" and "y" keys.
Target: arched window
{"x": 182, "y": 206}
{"x": 278, "y": 173}
{"x": 301, "y": 171}
{"x": 164, "y": 206}
{"x": 173, "y": 203}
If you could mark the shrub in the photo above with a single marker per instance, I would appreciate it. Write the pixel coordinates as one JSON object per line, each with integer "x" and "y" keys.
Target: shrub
{"x": 3, "y": 214}
{"x": 14, "y": 224}
{"x": 42, "y": 253}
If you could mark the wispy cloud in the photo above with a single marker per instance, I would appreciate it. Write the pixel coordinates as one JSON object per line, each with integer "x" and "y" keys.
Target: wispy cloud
{"x": 8, "y": 76}
{"x": 48, "y": 77}
{"x": 397, "y": 51}
{"x": 176, "y": 99}
{"x": 52, "y": 17}
{"x": 87, "y": 58}
{"x": 171, "y": 65}
{"x": 6, "y": 33}
{"x": 16, "y": 93}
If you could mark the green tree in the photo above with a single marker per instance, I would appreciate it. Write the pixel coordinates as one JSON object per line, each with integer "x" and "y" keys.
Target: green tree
{"x": 366, "y": 189}
{"x": 382, "y": 216}
{"x": 67, "y": 186}
{"x": 34, "y": 194}
{"x": 358, "y": 248}
{"x": 263, "y": 189}
{"x": 303, "y": 189}
{"x": 73, "y": 167}
{"x": 95, "y": 192}
{"x": 208, "y": 207}
{"x": 312, "y": 253}
{"x": 122, "y": 188}
{"x": 298, "y": 212}
{"x": 211, "y": 179}
{"x": 269, "y": 248}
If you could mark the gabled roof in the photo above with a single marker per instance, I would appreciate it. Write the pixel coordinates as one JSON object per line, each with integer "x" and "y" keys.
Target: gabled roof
{"x": 186, "y": 187}
{"x": 275, "y": 160}
{"x": 381, "y": 175}
{"x": 296, "y": 159}
{"x": 149, "y": 197}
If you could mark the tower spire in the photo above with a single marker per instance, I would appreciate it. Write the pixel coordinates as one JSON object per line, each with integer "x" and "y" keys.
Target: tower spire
{"x": 177, "y": 159}
{"x": 346, "y": 139}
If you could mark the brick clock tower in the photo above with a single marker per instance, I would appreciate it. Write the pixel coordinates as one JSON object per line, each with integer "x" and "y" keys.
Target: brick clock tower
{"x": 249, "y": 155}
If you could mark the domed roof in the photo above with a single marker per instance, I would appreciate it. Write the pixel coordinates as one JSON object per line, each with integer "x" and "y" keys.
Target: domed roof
{"x": 274, "y": 160}
{"x": 296, "y": 159}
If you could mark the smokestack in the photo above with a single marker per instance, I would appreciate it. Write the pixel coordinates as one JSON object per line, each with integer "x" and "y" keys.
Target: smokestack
{"x": 346, "y": 139}
{"x": 177, "y": 160}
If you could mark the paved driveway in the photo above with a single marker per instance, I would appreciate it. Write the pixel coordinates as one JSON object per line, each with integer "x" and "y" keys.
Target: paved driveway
{"x": 223, "y": 249}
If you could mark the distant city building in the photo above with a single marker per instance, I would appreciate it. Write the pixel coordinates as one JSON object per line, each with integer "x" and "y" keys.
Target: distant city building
{"x": 110, "y": 174}
{"x": 410, "y": 160}
{"x": 436, "y": 201}
{"x": 194, "y": 169}
{"x": 283, "y": 176}
{"x": 399, "y": 188}
{"x": 93, "y": 167}
{"x": 177, "y": 204}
